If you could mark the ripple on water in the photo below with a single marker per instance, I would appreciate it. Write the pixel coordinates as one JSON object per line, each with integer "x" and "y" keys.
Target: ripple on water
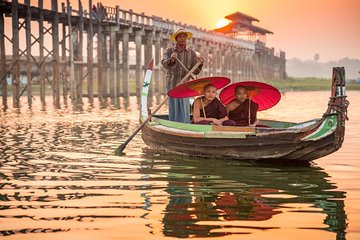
{"x": 59, "y": 175}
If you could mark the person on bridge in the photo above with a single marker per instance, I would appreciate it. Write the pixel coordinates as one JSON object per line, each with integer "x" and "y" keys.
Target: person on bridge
{"x": 179, "y": 108}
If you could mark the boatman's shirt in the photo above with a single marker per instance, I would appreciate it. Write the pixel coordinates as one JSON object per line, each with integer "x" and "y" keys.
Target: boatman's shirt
{"x": 175, "y": 71}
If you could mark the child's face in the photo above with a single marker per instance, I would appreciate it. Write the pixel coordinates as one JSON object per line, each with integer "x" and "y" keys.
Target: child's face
{"x": 241, "y": 94}
{"x": 210, "y": 93}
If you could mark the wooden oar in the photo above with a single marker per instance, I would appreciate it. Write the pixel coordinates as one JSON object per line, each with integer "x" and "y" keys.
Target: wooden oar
{"x": 193, "y": 76}
{"x": 121, "y": 148}
{"x": 180, "y": 62}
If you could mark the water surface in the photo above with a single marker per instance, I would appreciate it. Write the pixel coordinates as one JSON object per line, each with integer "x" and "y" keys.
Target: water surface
{"x": 59, "y": 179}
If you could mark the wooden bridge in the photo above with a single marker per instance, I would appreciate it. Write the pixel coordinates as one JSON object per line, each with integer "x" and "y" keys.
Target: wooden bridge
{"x": 119, "y": 44}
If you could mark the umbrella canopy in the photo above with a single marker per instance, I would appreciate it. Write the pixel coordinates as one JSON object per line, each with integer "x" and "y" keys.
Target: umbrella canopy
{"x": 196, "y": 87}
{"x": 265, "y": 95}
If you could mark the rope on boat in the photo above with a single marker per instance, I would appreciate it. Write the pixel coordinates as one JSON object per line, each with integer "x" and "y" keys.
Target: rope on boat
{"x": 340, "y": 108}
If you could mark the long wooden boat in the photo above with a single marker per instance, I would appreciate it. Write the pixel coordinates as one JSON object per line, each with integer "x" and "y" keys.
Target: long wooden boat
{"x": 288, "y": 141}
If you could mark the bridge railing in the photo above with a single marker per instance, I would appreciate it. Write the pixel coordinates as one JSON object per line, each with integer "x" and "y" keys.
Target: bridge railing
{"x": 117, "y": 15}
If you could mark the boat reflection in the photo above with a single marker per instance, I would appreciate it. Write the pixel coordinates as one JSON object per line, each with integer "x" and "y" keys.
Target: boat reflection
{"x": 212, "y": 197}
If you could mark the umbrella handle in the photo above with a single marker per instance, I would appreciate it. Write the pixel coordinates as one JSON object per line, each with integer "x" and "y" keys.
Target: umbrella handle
{"x": 202, "y": 105}
{"x": 249, "y": 111}
{"x": 192, "y": 75}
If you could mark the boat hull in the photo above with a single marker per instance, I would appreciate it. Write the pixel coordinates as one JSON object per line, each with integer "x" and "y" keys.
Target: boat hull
{"x": 296, "y": 142}
{"x": 282, "y": 147}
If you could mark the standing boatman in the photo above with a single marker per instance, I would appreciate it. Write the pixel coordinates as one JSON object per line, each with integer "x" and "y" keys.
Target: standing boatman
{"x": 179, "y": 108}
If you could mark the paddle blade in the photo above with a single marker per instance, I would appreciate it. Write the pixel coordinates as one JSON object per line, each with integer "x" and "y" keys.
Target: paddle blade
{"x": 120, "y": 149}
{"x": 151, "y": 65}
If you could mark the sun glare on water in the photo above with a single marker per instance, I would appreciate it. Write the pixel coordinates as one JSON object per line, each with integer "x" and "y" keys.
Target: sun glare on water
{"x": 221, "y": 23}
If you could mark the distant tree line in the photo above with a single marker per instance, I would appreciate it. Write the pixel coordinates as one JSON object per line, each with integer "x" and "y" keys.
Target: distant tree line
{"x": 313, "y": 68}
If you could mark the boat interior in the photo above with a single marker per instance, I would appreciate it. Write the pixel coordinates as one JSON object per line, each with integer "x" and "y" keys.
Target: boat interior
{"x": 263, "y": 124}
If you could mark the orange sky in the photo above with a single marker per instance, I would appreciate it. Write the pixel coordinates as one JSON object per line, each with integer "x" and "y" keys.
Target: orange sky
{"x": 301, "y": 28}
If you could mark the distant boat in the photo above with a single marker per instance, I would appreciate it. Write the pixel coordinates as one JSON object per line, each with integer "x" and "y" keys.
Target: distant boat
{"x": 288, "y": 141}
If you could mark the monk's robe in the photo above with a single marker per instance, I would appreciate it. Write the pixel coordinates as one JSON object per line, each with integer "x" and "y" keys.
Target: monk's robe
{"x": 241, "y": 114}
{"x": 215, "y": 109}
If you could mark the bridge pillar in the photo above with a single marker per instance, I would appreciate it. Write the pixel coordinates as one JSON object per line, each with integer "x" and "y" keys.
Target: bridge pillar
{"x": 3, "y": 72}
{"x": 138, "y": 70}
{"x": 15, "y": 59}
{"x": 125, "y": 58}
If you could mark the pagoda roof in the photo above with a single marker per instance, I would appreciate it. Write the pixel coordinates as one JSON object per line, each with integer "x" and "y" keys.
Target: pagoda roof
{"x": 237, "y": 26}
{"x": 238, "y": 15}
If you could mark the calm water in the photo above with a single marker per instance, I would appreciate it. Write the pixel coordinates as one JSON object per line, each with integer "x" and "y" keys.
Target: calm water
{"x": 59, "y": 179}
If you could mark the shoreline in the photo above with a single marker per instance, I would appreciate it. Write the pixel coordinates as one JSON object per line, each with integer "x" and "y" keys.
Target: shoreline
{"x": 285, "y": 85}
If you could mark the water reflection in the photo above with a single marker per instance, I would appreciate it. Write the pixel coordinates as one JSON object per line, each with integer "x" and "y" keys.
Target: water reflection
{"x": 58, "y": 173}
{"x": 209, "y": 198}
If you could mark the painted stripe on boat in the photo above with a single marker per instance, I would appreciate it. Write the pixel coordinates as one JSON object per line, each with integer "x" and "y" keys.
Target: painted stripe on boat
{"x": 326, "y": 128}
{"x": 218, "y": 134}
{"x": 341, "y": 91}
{"x": 205, "y": 128}
{"x": 233, "y": 129}
{"x": 194, "y": 134}
{"x": 184, "y": 126}
{"x": 177, "y": 132}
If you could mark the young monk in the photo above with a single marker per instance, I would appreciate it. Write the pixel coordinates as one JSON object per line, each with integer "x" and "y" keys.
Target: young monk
{"x": 238, "y": 109}
{"x": 215, "y": 112}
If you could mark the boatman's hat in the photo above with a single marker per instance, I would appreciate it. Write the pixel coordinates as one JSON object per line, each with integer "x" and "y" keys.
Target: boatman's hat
{"x": 180, "y": 31}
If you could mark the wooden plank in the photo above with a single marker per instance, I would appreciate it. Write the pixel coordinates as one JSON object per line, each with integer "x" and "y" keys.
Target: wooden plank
{"x": 71, "y": 52}
{"x": 177, "y": 132}
{"x": 232, "y": 129}
{"x": 184, "y": 126}
{"x": 214, "y": 60}
{"x": 203, "y": 53}
{"x": 235, "y": 67}
{"x": 224, "y": 61}
{"x": 75, "y": 41}
{"x": 105, "y": 67}
{"x": 125, "y": 55}
{"x": 117, "y": 14}
{"x": 63, "y": 56}
{"x": 90, "y": 46}
{"x": 3, "y": 72}
{"x": 15, "y": 59}
{"x": 157, "y": 63}
{"x": 242, "y": 68}
{"x": 220, "y": 134}
{"x": 112, "y": 62}
{"x": 79, "y": 86}
{"x": 219, "y": 55}
{"x": 118, "y": 69}
{"x": 41, "y": 51}
{"x": 28, "y": 51}
{"x": 138, "y": 70}
{"x": 99, "y": 54}
{"x": 56, "y": 58}
{"x": 149, "y": 36}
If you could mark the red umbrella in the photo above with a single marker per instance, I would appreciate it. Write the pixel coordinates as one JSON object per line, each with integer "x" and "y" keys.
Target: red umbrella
{"x": 196, "y": 87}
{"x": 265, "y": 95}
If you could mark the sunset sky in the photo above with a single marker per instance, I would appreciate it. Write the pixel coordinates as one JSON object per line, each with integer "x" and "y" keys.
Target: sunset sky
{"x": 303, "y": 28}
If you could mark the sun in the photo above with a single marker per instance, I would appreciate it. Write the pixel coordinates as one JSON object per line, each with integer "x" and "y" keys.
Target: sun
{"x": 222, "y": 22}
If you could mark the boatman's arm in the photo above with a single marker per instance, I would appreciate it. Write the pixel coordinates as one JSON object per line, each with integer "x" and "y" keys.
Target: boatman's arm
{"x": 194, "y": 60}
{"x": 168, "y": 61}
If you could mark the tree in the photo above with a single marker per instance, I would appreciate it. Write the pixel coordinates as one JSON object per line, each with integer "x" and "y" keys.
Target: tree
{"x": 316, "y": 57}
